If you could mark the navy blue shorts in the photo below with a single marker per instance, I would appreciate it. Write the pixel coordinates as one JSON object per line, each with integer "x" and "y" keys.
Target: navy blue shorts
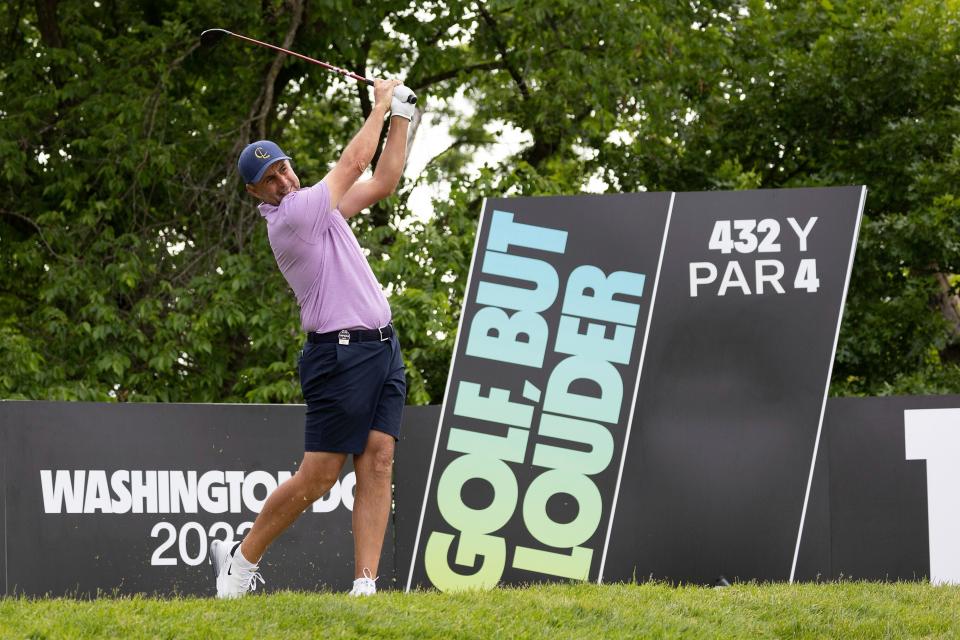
{"x": 351, "y": 389}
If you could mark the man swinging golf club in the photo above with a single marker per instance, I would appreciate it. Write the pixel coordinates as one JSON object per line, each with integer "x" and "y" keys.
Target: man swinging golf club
{"x": 351, "y": 371}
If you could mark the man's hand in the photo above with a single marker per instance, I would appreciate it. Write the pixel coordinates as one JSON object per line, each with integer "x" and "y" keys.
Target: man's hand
{"x": 399, "y": 106}
{"x": 383, "y": 93}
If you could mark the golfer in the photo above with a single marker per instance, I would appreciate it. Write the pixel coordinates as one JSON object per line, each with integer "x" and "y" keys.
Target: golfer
{"x": 351, "y": 371}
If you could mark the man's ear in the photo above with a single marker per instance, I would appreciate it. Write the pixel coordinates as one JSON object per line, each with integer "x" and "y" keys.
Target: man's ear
{"x": 250, "y": 190}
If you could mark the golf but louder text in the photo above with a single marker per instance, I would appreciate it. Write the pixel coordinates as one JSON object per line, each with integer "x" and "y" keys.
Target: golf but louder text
{"x": 582, "y": 397}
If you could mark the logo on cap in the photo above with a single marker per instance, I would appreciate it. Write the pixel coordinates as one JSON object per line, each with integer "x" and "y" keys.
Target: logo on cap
{"x": 260, "y": 153}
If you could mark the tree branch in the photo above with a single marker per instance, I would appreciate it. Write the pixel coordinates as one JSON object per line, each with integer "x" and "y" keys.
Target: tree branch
{"x": 33, "y": 224}
{"x": 504, "y": 54}
{"x": 296, "y": 18}
{"x": 14, "y": 38}
{"x": 365, "y": 106}
{"x": 423, "y": 83}
{"x": 457, "y": 143}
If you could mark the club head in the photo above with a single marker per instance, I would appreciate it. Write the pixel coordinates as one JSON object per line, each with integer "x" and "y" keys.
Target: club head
{"x": 210, "y": 37}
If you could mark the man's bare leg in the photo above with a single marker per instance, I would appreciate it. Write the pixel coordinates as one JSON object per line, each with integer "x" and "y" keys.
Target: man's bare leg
{"x": 371, "y": 506}
{"x": 317, "y": 473}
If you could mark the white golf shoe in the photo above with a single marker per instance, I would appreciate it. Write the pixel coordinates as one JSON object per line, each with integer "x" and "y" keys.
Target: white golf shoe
{"x": 233, "y": 581}
{"x": 364, "y": 586}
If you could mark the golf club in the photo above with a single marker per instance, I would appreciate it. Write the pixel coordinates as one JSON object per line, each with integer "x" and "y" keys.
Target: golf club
{"x": 212, "y": 36}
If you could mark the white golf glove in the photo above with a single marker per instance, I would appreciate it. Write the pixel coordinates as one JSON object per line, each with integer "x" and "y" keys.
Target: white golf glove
{"x": 399, "y": 106}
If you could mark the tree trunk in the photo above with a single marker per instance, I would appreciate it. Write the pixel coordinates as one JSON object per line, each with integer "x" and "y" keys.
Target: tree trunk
{"x": 949, "y": 303}
{"x": 48, "y": 25}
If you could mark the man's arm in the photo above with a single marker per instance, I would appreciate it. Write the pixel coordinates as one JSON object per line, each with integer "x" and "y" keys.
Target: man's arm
{"x": 363, "y": 194}
{"x": 358, "y": 154}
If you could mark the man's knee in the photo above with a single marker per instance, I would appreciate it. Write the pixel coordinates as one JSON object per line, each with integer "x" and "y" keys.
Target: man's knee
{"x": 382, "y": 462}
{"x": 379, "y": 454}
{"x": 316, "y": 477}
{"x": 314, "y": 484}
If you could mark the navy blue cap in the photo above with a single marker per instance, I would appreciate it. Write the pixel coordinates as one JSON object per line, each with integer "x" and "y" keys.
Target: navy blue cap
{"x": 255, "y": 159}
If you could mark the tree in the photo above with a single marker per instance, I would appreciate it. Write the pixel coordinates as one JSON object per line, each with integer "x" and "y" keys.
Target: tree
{"x": 135, "y": 267}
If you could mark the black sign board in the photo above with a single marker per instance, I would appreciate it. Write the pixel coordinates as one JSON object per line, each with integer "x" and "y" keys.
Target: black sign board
{"x": 126, "y": 498}
{"x": 410, "y": 467}
{"x": 3, "y": 506}
{"x": 540, "y": 392}
{"x": 878, "y": 489}
{"x": 867, "y": 518}
{"x": 745, "y": 315}
{"x": 734, "y": 385}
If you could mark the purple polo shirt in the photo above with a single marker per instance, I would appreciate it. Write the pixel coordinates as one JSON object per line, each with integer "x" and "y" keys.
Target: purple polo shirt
{"x": 323, "y": 263}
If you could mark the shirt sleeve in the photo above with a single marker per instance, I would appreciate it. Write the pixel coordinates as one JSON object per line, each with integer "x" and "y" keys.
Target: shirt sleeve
{"x": 309, "y": 212}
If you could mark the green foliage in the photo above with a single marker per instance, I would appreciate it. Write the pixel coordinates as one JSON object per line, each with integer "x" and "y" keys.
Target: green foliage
{"x": 135, "y": 268}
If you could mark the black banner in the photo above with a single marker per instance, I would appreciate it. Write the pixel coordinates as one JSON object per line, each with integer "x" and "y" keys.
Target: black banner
{"x": 127, "y": 498}
{"x": 3, "y": 505}
{"x": 741, "y": 344}
{"x": 875, "y": 496}
{"x": 411, "y": 465}
{"x": 540, "y": 391}
{"x": 734, "y": 384}
{"x": 867, "y": 518}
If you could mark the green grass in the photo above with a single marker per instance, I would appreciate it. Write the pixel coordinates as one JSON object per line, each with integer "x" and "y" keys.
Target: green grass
{"x": 836, "y": 610}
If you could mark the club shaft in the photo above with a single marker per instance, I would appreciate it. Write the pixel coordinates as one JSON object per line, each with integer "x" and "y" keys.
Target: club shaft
{"x": 349, "y": 74}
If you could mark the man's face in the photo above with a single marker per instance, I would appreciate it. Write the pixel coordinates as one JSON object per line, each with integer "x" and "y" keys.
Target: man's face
{"x": 277, "y": 181}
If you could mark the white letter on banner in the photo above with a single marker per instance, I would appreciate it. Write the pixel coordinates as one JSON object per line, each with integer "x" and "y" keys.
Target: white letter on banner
{"x": 211, "y": 493}
{"x": 347, "y": 489}
{"x": 119, "y": 482}
{"x": 98, "y": 493}
{"x": 733, "y": 277}
{"x": 696, "y": 279}
{"x": 143, "y": 489}
{"x": 802, "y": 233}
{"x": 235, "y": 480}
{"x": 773, "y": 279}
{"x": 163, "y": 491}
{"x": 250, "y": 483}
{"x": 183, "y": 492}
{"x": 934, "y": 435}
{"x": 62, "y": 490}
